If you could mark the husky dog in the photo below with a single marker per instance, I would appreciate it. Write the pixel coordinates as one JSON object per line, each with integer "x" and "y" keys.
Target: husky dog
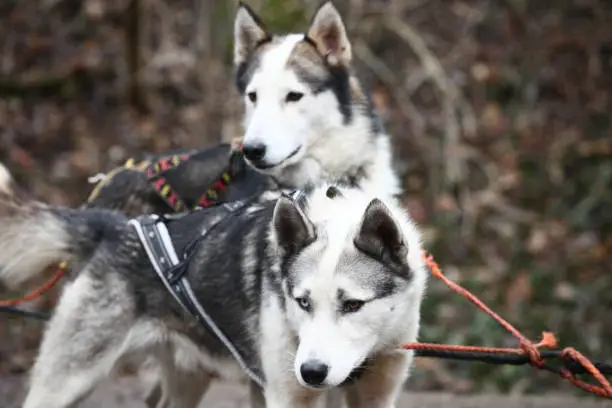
{"x": 307, "y": 119}
{"x": 314, "y": 292}
{"x": 307, "y": 116}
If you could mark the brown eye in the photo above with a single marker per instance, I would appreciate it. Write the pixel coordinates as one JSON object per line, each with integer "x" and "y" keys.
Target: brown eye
{"x": 352, "y": 306}
{"x": 252, "y": 96}
{"x": 333, "y": 192}
{"x": 294, "y": 96}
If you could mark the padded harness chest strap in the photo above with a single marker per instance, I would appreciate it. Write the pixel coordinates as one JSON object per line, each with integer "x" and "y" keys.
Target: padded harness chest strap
{"x": 156, "y": 241}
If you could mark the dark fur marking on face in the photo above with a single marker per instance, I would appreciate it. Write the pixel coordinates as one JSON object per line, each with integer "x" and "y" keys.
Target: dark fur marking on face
{"x": 385, "y": 288}
{"x": 375, "y": 119}
{"x": 305, "y": 57}
{"x": 382, "y": 280}
{"x": 244, "y": 71}
{"x": 241, "y": 77}
{"x": 287, "y": 262}
{"x": 309, "y": 65}
{"x": 359, "y": 95}
{"x": 340, "y": 86}
{"x": 352, "y": 178}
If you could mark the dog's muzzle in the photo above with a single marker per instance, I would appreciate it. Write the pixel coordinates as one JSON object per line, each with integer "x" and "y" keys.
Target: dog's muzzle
{"x": 257, "y": 158}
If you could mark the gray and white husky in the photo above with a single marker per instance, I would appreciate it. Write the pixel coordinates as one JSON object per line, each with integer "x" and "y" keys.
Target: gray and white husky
{"x": 307, "y": 117}
{"x": 314, "y": 292}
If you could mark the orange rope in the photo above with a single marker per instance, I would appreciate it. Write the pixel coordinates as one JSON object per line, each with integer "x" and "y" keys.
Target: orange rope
{"x": 61, "y": 269}
{"x": 527, "y": 347}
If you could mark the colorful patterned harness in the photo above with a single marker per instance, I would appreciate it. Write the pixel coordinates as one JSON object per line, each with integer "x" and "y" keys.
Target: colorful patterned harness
{"x": 155, "y": 176}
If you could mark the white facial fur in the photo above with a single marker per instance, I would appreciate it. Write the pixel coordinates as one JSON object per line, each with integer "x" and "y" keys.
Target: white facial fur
{"x": 312, "y": 124}
{"x": 282, "y": 126}
{"x": 343, "y": 341}
{"x": 312, "y": 136}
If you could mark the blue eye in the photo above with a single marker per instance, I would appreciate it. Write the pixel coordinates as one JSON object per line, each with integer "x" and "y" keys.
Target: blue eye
{"x": 303, "y": 303}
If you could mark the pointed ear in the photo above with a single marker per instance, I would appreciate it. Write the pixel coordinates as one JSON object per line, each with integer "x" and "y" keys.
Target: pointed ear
{"x": 249, "y": 31}
{"x": 381, "y": 238}
{"x": 328, "y": 32}
{"x": 293, "y": 229}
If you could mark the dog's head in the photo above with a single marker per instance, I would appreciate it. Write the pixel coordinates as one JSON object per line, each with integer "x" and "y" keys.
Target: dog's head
{"x": 353, "y": 280}
{"x": 299, "y": 94}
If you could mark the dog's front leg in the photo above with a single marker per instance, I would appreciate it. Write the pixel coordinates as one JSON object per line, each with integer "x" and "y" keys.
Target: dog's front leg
{"x": 79, "y": 347}
{"x": 334, "y": 398}
{"x": 382, "y": 382}
{"x": 284, "y": 395}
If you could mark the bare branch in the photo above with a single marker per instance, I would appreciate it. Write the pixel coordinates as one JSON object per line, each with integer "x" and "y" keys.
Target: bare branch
{"x": 452, "y": 103}
{"x": 386, "y": 76}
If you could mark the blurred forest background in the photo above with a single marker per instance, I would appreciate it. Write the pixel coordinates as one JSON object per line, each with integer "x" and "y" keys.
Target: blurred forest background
{"x": 499, "y": 110}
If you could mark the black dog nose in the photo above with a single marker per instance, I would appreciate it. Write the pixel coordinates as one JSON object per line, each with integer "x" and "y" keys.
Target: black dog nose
{"x": 314, "y": 372}
{"x": 254, "y": 152}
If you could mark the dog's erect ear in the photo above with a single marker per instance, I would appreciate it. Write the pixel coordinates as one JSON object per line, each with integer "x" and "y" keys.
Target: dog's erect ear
{"x": 381, "y": 238}
{"x": 293, "y": 229}
{"x": 328, "y": 32}
{"x": 248, "y": 32}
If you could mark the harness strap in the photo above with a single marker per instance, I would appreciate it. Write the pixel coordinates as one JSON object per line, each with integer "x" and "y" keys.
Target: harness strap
{"x": 212, "y": 195}
{"x": 154, "y": 172}
{"x": 161, "y": 185}
{"x": 102, "y": 180}
{"x": 168, "y": 194}
{"x": 153, "y": 234}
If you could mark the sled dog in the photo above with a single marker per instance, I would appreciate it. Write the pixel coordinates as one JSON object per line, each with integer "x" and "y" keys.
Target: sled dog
{"x": 311, "y": 291}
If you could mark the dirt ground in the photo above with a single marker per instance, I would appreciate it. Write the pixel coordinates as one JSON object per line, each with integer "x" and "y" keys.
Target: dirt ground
{"x": 126, "y": 394}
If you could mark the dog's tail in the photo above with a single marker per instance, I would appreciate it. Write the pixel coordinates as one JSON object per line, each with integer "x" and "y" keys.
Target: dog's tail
{"x": 6, "y": 181}
{"x": 9, "y": 189}
{"x": 34, "y": 236}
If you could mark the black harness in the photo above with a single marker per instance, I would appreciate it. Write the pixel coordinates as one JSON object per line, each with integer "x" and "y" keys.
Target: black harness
{"x": 156, "y": 240}
{"x": 153, "y": 233}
